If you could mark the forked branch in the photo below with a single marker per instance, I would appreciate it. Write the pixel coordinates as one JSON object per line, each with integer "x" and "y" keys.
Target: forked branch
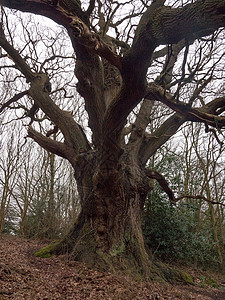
{"x": 203, "y": 115}
{"x": 165, "y": 186}
{"x": 53, "y": 146}
{"x": 13, "y": 99}
{"x": 200, "y": 197}
{"x": 15, "y": 56}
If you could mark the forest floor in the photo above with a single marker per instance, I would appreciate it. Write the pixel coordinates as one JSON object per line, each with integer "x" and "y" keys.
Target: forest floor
{"x": 24, "y": 276}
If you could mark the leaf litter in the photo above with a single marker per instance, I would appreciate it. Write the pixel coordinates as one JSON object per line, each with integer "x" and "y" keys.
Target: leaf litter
{"x": 24, "y": 276}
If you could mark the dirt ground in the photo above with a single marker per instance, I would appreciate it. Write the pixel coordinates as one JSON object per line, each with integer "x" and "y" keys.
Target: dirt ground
{"x": 24, "y": 276}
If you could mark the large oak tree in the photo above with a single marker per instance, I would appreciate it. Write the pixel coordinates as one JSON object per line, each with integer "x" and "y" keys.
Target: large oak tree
{"x": 116, "y": 45}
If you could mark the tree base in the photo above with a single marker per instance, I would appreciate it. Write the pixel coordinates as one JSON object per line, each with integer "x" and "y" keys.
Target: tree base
{"x": 120, "y": 261}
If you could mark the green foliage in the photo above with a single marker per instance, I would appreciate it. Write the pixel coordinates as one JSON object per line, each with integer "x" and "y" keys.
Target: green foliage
{"x": 10, "y": 226}
{"x": 171, "y": 165}
{"x": 179, "y": 233}
{"x": 41, "y": 222}
{"x": 170, "y": 232}
{"x": 208, "y": 281}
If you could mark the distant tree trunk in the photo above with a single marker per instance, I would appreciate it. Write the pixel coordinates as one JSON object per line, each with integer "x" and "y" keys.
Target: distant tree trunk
{"x": 51, "y": 219}
{"x": 221, "y": 231}
{"x": 215, "y": 233}
{"x": 4, "y": 206}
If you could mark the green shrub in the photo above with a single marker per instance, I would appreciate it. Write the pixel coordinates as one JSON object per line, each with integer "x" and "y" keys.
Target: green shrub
{"x": 170, "y": 232}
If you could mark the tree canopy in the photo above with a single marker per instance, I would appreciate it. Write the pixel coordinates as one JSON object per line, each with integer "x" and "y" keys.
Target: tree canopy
{"x": 143, "y": 69}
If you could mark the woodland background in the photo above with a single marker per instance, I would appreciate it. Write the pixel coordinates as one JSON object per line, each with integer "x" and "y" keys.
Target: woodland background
{"x": 38, "y": 195}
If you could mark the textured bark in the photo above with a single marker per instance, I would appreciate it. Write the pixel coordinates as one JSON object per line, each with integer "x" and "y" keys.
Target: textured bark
{"x": 108, "y": 231}
{"x": 110, "y": 174}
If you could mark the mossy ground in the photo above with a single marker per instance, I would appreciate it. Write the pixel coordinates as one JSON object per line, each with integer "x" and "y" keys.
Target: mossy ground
{"x": 159, "y": 271}
{"x": 165, "y": 273}
{"x": 47, "y": 251}
{"x": 24, "y": 276}
{"x": 176, "y": 276}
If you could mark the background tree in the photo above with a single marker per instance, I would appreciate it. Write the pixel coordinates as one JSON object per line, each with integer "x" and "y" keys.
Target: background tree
{"x": 117, "y": 62}
{"x": 9, "y": 165}
{"x": 53, "y": 204}
{"x": 188, "y": 232}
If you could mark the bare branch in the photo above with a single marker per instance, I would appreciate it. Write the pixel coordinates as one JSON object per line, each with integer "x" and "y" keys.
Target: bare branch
{"x": 139, "y": 126}
{"x": 74, "y": 20}
{"x": 203, "y": 114}
{"x": 15, "y": 56}
{"x": 200, "y": 197}
{"x": 90, "y": 7}
{"x": 162, "y": 182}
{"x": 162, "y": 134}
{"x": 202, "y": 17}
{"x": 53, "y": 146}
{"x": 64, "y": 120}
{"x": 13, "y": 99}
{"x": 171, "y": 51}
{"x": 164, "y": 185}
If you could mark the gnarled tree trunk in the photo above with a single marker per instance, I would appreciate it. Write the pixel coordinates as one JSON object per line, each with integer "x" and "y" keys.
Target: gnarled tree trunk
{"x": 108, "y": 232}
{"x": 113, "y": 80}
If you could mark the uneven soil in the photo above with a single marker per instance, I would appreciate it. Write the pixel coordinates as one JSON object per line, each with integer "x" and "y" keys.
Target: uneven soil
{"x": 24, "y": 276}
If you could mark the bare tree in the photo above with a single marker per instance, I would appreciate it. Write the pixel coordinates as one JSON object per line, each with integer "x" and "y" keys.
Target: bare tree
{"x": 9, "y": 164}
{"x": 208, "y": 156}
{"x": 119, "y": 68}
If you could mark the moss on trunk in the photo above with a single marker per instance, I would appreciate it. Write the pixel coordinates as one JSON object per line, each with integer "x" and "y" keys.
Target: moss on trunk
{"x": 108, "y": 232}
